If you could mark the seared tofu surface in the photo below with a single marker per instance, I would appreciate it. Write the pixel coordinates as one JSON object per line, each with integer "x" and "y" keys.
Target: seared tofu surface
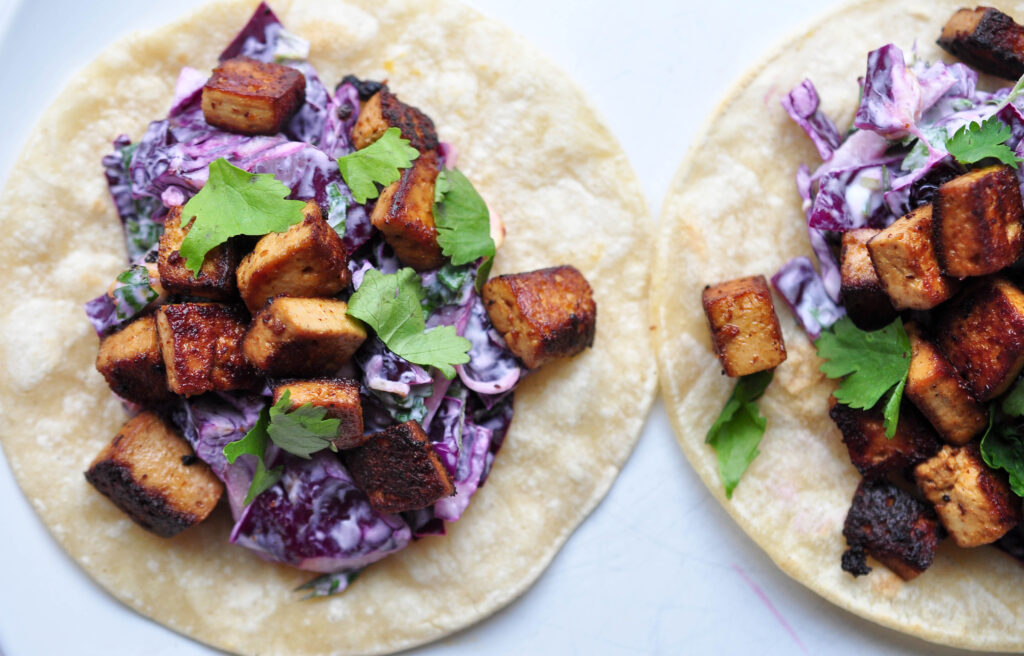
{"x": 216, "y": 279}
{"x": 987, "y": 39}
{"x": 404, "y": 214}
{"x": 339, "y": 396}
{"x": 860, "y": 290}
{"x": 745, "y": 332}
{"x": 384, "y": 110}
{"x": 872, "y": 453}
{"x": 252, "y": 97}
{"x": 131, "y": 363}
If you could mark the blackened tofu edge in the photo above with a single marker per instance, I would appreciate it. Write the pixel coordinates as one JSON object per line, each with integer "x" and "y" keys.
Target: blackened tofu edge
{"x": 152, "y": 512}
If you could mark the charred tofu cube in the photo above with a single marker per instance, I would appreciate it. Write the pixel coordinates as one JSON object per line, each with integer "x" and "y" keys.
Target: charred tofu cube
{"x": 543, "y": 314}
{"x": 384, "y": 110}
{"x": 339, "y": 396}
{"x": 904, "y": 257}
{"x": 866, "y": 302}
{"x": 404, "y": 214}
{"x": 252, "y": 97}
{"x": 201, "y": 345}
{"x": 308, "y": 259}
{"x": 131, "y": 363}
{"x": 891, "y": 526}
{"x": 150, "y": 472}
{"x": 974, "y": 502}
{"x": 981, "y": 333}
{"x": 216, "y": 279}
{"x": 872, "y": 453}
{"x": 977, "y": 222}
{"x": 987, "y": 39}
{"x": 300, "y": 337}
{"x": 940, "y": 394}
{"x": 399, "y": 470}
{"x": 745, "y": 330}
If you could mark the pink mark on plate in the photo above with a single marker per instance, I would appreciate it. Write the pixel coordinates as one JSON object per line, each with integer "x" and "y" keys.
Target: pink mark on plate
{"x": 768, "y": 602}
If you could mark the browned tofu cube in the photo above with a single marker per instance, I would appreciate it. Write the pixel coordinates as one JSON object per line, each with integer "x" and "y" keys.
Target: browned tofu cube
{"x": 308, "y": 259}
{"x": 303, "y": 337}
{"x": 940, "y": 394}
{"x": 201, "y": 345}
{"x": 405, "y": 214}
{"x": 150, "y": 472}
{"x": 987, "y": 39}
{"x": 975, "y": 503}
{"x": 339, "y": 396}
{"x": 216, "y": 279}
{"x": 976, "y": 223}
{"x": 866, "y": 302}
{"x": 399, "y": 470}
{"x": 745, "y": 332}
{"x": 384, "y": 110}
{"x": 891, "y": 526}
{"x": 543, "y": 314}
{"x": 252, "y": 97}
{"x": 872, "y": 453}
{"x": 130, "y": 361}
{"x": 981, "y": 333}
{"x": 904, "y": 257}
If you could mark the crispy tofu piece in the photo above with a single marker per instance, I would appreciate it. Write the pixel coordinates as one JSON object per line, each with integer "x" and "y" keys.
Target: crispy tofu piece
{"x": 398, "y": 469}
{"x": 987, "y": 39}
{"x": 150, "y": 472}
{"x": 745, "y": 330}
{"x": 252, "y": 97}
{"x": 975, "y": 503}
{"x": 543, "y": 314}
{"x": 308, "y": 259}
{"x": 216, "y": 279}
{"x": 981, "y": 333}
{"x": 339, "y": 396}
{"x": 404, "y": 214}
{"x": 904, "y": 257}
{"x": 940, "y": 394}
{"x": 201, "y": 345}
{"x": 303, "y": 337}
{"x": 131, "y": 363}
{"x": 866, "y": 302}
{"x": 384, "y": 110}
{"x": 893, "y": 527}
{"x": 872, "y": 453}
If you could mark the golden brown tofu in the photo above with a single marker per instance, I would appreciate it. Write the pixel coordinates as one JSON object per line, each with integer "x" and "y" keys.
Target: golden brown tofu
{"x": 303, "y": 337}
{"x": 976, "y": 223}
{"x": 384, "y": 110}
{"x": 745, "y": 332}
{"x": 872, "y": 453}
{"x": 981, "y": 333}
{"x": 201, "y": 345}
{"x": 543, "y": 314}
{"x": 252, "y": 97}
{"x": 150, "y": 472}
{"x": 940, "y": 394}
{"x": 975, "y": 503}
{"x": 405, "y": 214}
{"x": 987, "y": 39}
{"x": 399, "y": 470}
{"x": 130, "y": 361}
{"x": 866, "y": 302}
{"x": 308, "y": 259}
{"x": 904, "y": 257}
{"x": 339, "y": 396}
{"x": 216, "y": 279}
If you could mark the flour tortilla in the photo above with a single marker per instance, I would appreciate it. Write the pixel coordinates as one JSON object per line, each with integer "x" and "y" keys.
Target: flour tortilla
{"x": 536, "y": 150}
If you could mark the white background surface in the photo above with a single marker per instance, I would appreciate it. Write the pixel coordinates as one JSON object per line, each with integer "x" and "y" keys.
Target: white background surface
{"x": 659, "y": 568}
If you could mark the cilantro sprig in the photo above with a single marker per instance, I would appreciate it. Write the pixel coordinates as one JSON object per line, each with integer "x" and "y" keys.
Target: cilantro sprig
{"x": 379, "y": 163}
{"x": 977, "y": 141}
{"x": 1002, "y": 444}
{"x": 255, "y": 444}
{"x": 462, "y": 219}
{"x": 737, "y": 432}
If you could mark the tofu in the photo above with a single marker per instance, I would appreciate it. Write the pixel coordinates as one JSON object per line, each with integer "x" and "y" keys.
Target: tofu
{"x": 872, "y": 453}
{"x": 745, "y": 332}
{"x": 981, "y": 333}
{"x": 216, "y": 279}
{"x": 404, "y": 214}
{"x": 543, "y": 314}
{"x": 908, "y": 268}
{"x": 303, "y": 337}
{"x": 398, "y": 470}
{"x": 384, "y": 110}
{"x": 252, "y": 97}
{"x": 976, "y": 224}
{"x": 987, "y": 39}
{"x": 131, "y": 363}
{"x": 861, "y": 291}
{"x": 974, "y": 503}
{"x": 940, "y": 394}
{"x": 150, "y": 472}
{"x": 306, "y": 260}
{"x": 201, "y": 346}
{"x": 339, "y": 396}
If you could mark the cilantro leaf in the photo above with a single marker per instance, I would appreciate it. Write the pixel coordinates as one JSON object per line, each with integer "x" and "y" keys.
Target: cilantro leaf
{"x": 977, "y": 141}
{"x": 462, "y": 219}
{"x": 379, "y": 163}
{"x": 738, "y": 430}
{"x": 302, "y": 431}
{"x": 390, "y": 304}
{"x": 1002, "y": 447}
{"x": 255, "y": 443}
{"x": 1013, "y": 403}
{"x": 235, "y": 202}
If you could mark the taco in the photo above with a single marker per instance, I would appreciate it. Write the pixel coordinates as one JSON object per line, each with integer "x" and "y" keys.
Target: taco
{"x": 734, "y": 211}
{"x": 533, "y": 148}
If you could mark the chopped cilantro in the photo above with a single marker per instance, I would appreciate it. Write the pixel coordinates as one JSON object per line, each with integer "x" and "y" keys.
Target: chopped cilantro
{"x": 977, "y": 141}
{"x": 1002, "y": 447}
{"x": 462, "y": 219}
{"x": 255, "y": 443}
{"x": 379, "y": 163}
{"x": 132, "y": 292}
{"x": 302, "y": 431}
{"x": 1013, "y": 403}
{"x": 738, "y": 430}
